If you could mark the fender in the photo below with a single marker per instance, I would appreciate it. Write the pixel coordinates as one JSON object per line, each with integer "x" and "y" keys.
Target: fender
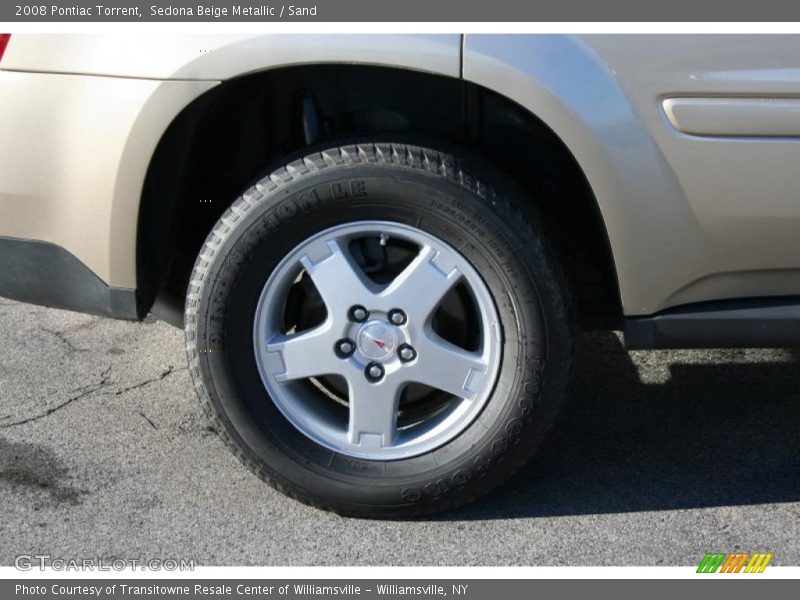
{"x": 565, "y": 84}
{"x": 227, "y": 57}
{"x": 151, "y": 79}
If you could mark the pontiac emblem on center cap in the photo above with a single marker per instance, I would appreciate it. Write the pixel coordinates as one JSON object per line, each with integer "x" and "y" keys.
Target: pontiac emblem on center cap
{"x": 376, "y": 340}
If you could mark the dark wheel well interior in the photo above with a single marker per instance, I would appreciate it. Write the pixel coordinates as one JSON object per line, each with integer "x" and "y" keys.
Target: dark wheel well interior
{"x": 243, "y": 127}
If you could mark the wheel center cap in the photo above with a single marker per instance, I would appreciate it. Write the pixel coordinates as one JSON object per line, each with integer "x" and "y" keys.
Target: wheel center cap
{"x": 376, "y": 340}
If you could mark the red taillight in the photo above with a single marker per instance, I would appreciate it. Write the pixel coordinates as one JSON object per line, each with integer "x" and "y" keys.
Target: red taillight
{"x": 4, "y": 37}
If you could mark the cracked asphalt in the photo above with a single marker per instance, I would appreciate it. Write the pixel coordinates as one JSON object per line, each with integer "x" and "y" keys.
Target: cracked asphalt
{"x": 658, "y": 458}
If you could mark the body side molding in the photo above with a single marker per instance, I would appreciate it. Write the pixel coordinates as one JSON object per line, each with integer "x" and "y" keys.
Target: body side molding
{"x": 747, "y": 323}
{"x": 736, "y": 117}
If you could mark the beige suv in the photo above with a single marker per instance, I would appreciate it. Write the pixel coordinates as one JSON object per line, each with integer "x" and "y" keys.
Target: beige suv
{"x": 381, "y": 247}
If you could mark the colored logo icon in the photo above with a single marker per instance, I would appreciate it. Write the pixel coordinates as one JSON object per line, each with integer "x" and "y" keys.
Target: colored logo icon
{"x": 736, "y": 562}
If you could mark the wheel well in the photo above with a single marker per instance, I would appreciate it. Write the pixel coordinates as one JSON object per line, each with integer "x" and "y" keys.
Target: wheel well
{"x": 224, "y": 140}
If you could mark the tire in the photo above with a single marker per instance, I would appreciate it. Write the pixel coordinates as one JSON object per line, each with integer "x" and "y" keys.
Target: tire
{"x": 284, "y": 429}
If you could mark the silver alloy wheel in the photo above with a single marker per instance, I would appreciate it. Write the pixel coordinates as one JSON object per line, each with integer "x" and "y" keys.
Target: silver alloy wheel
{"x": 374, "y": 355}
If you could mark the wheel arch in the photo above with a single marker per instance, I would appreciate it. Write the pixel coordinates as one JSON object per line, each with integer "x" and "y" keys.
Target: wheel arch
{"x": 354, "y": 100}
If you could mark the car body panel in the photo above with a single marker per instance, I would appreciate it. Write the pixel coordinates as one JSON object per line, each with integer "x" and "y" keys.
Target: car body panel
{"x": 74, "y": 154}
{"x": 90, "y": 125}
{"x": 224, "y": 56}
{"x": 690, "y": 218}
{"x": 709, "y": 213}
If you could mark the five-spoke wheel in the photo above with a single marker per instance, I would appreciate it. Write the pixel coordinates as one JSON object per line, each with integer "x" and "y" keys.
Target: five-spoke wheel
{"x": 378, "y": 336}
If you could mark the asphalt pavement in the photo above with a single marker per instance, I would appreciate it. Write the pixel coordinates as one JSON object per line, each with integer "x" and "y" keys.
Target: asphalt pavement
{"x": 658, "y": 458}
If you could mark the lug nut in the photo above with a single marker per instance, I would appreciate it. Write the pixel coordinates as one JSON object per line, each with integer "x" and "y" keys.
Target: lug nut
{"x": 345, "y": 348}
{"x": 406, "y": 353}
{"x": 374, "y": 371}
{"x": 397, "y": 316}
{"x": 359, "y": 314}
